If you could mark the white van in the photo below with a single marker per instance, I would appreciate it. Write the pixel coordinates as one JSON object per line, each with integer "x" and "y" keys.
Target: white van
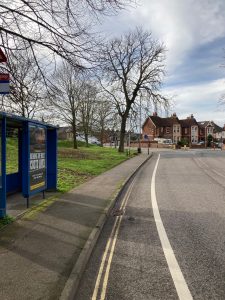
{"x": 163, "y": 141}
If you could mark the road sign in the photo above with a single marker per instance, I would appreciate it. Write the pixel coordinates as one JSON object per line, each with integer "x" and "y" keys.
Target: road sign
{"x": 3, "y": 58}
{"x": 4, "y": 83}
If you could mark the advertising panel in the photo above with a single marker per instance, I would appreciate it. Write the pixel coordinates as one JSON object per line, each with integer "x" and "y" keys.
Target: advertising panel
{"x": 37, "y": 170}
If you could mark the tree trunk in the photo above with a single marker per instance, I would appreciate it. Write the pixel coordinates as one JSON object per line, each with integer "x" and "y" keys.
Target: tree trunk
{"x": 74, "y": 135}
{"x": 122, "y": 134}
{"x": 102, "y": 136}
{"x": 86, "y": 139}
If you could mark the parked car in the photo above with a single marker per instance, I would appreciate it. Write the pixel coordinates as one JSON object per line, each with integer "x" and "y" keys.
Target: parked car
{"x": 96, "y": 142}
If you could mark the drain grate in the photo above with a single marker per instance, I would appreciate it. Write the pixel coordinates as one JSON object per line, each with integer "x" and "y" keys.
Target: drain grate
{"x": 117, "y": 212}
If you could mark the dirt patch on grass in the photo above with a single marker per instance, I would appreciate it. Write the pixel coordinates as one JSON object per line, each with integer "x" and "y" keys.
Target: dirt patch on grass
{"x": 77, "y": 154}
{"x": 65, "y": 172}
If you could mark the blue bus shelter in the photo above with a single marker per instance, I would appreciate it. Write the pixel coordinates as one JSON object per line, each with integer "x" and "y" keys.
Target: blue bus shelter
{"x": 35, "y": 160}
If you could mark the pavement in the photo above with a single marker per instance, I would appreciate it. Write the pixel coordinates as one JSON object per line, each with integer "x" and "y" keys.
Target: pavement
{"x": 44, "y": 252}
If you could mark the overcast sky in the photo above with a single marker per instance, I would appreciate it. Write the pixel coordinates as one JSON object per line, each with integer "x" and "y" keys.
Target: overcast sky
{"x": 194, "y": 34}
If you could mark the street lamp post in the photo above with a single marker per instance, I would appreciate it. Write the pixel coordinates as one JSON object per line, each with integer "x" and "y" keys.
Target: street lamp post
{"x": 129, "y": 129}
{"x": 139, "y": 142}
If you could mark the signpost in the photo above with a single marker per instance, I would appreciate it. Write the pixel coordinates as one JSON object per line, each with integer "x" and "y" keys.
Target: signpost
{"x": 4, "y": 83}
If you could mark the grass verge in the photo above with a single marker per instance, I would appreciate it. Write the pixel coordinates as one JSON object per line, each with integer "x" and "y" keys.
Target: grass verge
{"x": 75, "y": 166}
{"x": 6, "y": 220}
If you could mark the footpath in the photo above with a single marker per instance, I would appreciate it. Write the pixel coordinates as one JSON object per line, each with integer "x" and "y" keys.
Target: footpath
{"x": 44, "y": 252}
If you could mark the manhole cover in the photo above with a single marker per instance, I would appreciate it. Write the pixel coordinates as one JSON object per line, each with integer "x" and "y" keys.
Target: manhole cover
{"x": 117, "y": 212}
{"x": 131, "y": 219}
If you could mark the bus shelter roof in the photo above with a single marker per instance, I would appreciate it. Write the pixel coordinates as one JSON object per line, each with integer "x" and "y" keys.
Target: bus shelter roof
{"x": 16, "y": 121}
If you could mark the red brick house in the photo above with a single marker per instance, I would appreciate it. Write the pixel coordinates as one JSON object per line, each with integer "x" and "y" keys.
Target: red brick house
{"x": 171, "y": 128}
{"x": 157, "y": 127}
{"x": 190, "y": 130}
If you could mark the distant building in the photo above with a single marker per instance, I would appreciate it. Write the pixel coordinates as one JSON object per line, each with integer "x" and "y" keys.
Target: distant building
{"x": 175, "y": 129}
{"x": 65, "y": 133}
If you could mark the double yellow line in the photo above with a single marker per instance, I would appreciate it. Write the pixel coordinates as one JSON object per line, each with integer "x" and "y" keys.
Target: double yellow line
{"x": 109, "y": 251}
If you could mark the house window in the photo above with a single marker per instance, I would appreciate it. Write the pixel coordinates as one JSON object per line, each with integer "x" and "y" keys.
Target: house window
{"x": 167, "y": 130}
{"x": 178, "y": 129}
{"x": 210, "y": 130}
{"x": 161, "y": 129}
{"x": 185, "y": 130}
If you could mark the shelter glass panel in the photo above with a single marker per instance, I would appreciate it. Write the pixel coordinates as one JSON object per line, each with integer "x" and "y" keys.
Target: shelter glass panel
{"x": 12, "y": 150}
{"x": 37, "y": 157}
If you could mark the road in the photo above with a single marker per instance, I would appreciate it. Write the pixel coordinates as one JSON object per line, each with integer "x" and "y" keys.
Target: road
{"x": 166, "y": 236}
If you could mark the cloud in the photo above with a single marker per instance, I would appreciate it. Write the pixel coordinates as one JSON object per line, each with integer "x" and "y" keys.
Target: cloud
{"x": 181, "y": 25}
{"x": 200, "y": 100}
{"x": 185, "y": 25}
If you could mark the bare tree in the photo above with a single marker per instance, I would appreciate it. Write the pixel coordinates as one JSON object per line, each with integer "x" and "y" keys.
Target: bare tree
{"x": 87, "y": 106}
{"x": 53, "y": 28}
{"x": 68, "y": 90}
{"x": 132, "y": 66}
{"x": 26, "y": 85}
{"x": 103, "y": 116}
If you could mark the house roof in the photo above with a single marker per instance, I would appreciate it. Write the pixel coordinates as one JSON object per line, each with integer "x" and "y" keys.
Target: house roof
{"x": 164, "y": 122}
{"x": 217, "y": 128}
{"x": 188, "y": 122}
{"x": 204, "y": 124}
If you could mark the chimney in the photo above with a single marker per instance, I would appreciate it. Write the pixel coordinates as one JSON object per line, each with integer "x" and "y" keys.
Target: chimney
{"x": 190, "y": 117}
{"x": 174, "y": 115}
{"x": 155, "y": 114}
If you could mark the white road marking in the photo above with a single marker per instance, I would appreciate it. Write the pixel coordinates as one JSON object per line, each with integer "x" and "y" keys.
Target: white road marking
{"x": 110, "y": 251}
{"x": 177, "y": 276}
{"x": 218, "y": 173}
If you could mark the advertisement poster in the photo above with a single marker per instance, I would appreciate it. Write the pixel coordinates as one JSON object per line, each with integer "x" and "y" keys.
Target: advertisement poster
{"x": 37, "y": 158}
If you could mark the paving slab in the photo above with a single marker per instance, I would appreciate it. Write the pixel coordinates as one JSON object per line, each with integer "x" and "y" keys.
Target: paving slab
{"x": 38, "y": 251}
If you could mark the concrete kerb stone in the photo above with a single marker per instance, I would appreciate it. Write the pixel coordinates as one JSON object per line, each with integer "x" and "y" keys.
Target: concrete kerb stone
{"x": 72, "y": 283}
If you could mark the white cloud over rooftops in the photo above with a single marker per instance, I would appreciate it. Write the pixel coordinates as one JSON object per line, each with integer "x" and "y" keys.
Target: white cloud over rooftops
{"x": 200, "y": 100}
{"x": 181, "y": 24}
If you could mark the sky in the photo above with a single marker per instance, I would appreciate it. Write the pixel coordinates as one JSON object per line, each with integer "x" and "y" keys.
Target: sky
{"x": 193, "y": 32}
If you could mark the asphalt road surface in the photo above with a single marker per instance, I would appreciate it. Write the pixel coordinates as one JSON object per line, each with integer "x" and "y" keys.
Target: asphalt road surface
{"x": 166, "y": 236}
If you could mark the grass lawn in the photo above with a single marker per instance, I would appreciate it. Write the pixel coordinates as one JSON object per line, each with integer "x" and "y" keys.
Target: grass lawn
{"x": 74, "y": 166}
{"x": 77, "y": 166}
